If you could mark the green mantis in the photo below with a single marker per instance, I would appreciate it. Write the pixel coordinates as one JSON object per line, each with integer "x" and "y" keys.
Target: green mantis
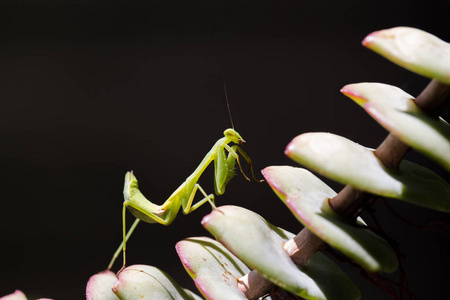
{"x": 183, "y": 196}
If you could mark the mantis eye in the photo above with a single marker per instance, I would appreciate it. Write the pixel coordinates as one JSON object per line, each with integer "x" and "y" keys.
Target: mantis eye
{"x": 234, "y": 136}
{"x": 229, "y": 132}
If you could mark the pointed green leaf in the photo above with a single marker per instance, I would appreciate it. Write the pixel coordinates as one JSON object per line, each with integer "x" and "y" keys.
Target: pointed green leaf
{"x": 99, "y": 286}
{"x": 147, "y": 282}
{"x": 396, "y": 111}
{"x": 213, "y": 267}
{"x": 413, "y": 49}
{"x": 307, "y": 198}
{"x": 349, "y": 163}
{"x": 260, "y": 245}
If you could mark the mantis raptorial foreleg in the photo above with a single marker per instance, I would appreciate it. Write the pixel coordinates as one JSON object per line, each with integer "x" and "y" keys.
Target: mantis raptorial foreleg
{"x": 183, "y": 197}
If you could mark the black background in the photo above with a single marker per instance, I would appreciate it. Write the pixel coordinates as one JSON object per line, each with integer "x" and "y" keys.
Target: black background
{"x": 92, "y": 89}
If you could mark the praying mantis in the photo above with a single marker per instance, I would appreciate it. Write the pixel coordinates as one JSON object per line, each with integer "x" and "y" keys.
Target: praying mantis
{"x": 183, "y": 196}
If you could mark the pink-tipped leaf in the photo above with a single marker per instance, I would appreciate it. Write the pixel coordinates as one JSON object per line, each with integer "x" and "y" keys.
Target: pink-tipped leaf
{"x": 147, "y": 283}
{"x": 307, "y": 198}
{"x": 17, "y": 295}
{"x": 99, "y": 286}
{"x": 396, "y": 111}
{"x": 413, "y": 49}
{"x": 259, "y": 245}
{"x": 350, "y": 163}
{"x": 214, "y": 268}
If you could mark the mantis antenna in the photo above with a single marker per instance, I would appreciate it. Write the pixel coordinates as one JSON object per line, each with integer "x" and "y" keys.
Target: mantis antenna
{"x": 228, "y": 102}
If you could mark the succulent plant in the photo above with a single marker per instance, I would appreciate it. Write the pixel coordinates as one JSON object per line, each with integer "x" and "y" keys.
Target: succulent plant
{"x": 245, "y": 240}
{"x": 252, "y": 259}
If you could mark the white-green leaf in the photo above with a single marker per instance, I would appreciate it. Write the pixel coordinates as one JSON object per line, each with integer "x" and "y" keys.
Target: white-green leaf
{"x": 349, "y": 163}
{"x": 147, "y": 282}
{"x": 307, "y": 198}
{"x": 395, "y": 110}
{"x": 99, "y": 286}
{"x": 413, "y": 49}
{"x": 260, "y": 245}
{"x": 213, "y": 267}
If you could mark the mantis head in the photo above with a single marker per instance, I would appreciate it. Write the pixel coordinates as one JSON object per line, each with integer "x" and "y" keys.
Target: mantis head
{"x": 233, "y": 136}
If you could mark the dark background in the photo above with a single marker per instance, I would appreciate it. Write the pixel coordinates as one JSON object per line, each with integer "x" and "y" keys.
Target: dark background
{"x": 92, "y": 89}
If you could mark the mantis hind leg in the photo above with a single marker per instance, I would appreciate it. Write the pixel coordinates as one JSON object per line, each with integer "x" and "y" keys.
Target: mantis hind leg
{"x": 122, "y": 246}
{"x": 165, "y": 221}
{"x": 126, "y": 235}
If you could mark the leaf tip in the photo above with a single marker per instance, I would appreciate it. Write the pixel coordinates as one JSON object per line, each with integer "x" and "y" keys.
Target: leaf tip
{"x": 17, "y": 295}
{"x": 347, "y": 90}
{"x": 290, "y": 148}
{"x": 206, "y": 221}
{"x": 100, "y": 284}
{"x": 369, "y": 39}
{"x": 351, "y": 91}
{"x": 181, "y": 251}
{"x": 272, "y": 176}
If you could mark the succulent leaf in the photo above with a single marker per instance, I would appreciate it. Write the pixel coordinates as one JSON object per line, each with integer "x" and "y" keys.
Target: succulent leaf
{"x": 395, "y": 110}
{"x": 17, "y": 295}
{"x": 349, "y": 163}
{"x": 213, "y": 267}
{"x": 147, "y": 282}
{"x": 307, "y": 198}
{"x": 413, "y": 49}
{"x": 260, "y": 245}
{"x": 99, "y": 286}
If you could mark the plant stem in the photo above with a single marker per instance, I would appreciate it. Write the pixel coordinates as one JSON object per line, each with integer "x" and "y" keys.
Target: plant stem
{"x": 349, "y": 202}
